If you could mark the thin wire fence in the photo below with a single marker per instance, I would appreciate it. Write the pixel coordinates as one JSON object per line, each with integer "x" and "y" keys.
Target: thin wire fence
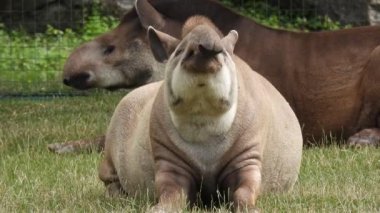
{"x": 37, "y": 36}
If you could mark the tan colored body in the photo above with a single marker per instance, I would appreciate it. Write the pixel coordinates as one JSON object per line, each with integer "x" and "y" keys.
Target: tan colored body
{"x": 263, "y": 145}
{"x": 128, "y": 156}
{"x": 270, "y": 134}
{"x": 265, "y": 128}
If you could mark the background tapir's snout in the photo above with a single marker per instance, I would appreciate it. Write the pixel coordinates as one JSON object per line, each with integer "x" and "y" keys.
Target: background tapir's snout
{"x": 78, "y": 81}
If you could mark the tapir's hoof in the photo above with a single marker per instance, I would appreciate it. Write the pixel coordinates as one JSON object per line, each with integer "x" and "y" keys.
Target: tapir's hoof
{"x": 366, "y": 137}
{"x": 250, "y": 210}
{"x": 61, "y": 148}
{"x": 160, "y": 209}
{"x": 157, "y": 209}
{"x": 165, "y": 209}
{"x": 115, "y": 190}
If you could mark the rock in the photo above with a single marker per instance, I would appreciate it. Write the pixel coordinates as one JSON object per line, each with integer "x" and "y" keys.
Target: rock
{"x": 374, "y": 12}
{"x": 354, "y": 12}
{"x": 34, "y": 16}
{"x": 118, "y": 7}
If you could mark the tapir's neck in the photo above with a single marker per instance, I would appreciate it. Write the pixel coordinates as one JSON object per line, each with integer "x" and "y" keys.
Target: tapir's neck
{"x": 202, "y": 106}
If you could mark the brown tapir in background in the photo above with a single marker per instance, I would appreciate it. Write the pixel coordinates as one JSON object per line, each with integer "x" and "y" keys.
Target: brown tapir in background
{"x": 330, "y": 79}
{"x": 213, "y": 126}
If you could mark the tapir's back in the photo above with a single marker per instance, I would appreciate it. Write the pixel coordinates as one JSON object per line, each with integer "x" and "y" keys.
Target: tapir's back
{"x": 282, "y": 149}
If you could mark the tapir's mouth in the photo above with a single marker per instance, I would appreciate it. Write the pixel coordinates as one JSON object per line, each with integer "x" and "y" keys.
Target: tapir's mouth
{"x": 117, "y": 87}
{"x": 113, "y": 88}
{"x": 141, "y": 80}
{"x": 80, "y": 81}
{"x": 81, "y": 86}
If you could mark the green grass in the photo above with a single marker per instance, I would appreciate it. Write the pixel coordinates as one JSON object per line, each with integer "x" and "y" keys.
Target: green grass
{"x": 332, "y": 179}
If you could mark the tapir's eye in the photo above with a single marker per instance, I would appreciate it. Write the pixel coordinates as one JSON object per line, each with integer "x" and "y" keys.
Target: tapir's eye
{"x": 109, "y": 49}
{"x": 189, "y": 54}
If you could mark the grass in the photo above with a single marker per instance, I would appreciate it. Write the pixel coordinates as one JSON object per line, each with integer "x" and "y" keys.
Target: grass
{"x": 332, "y": 179}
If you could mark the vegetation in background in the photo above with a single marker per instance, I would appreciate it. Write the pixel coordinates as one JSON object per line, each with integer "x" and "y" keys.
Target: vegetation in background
{"x": 285, "y": 19}
{"x": 34, "y": 63}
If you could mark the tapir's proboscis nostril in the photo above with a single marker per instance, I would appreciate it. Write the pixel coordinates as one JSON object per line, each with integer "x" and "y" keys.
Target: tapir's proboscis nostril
{"x": 209, "y": 52}
{"x": 66, "y": 81}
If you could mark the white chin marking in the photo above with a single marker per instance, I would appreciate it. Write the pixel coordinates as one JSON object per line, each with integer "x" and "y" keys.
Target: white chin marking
{"x": 202, "y": 114}
{"x": 200, "y": 129}
{"x": 92, "y": 76}
{"x": 109, "y": 77}
{"x": 217, "y": 85}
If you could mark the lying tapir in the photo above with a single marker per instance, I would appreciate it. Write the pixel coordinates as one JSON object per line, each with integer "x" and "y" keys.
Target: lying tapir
{"x": 212, "y": 127}
{"x": 330, "y": 79}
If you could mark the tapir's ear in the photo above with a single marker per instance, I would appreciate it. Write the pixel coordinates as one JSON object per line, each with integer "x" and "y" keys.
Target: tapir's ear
{"x": 230, "y": 40}
{"x": 148, "y": 15}
{"x": 162, "y": 44}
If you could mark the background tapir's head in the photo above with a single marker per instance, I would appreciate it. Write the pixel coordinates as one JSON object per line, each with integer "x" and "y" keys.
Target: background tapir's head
{"x": 118, "y": 59}
{"x": 202, "y": 61}
{"x": 121, "y": 58}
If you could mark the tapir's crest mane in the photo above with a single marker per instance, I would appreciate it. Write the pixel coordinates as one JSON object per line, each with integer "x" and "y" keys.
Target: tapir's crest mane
{"x": 197, "y": 20}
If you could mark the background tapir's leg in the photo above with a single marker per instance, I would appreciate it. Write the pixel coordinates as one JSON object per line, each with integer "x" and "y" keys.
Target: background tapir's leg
{"x": 95, "y": 144}
{"x": 365, "y": 137}
{"x": 368, "y": 122}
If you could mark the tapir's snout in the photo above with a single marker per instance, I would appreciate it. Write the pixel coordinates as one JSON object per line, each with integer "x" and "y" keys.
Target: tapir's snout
{"x": 207, "y": 50}
{"x": 78, "y": 81}
{"x": 203, "y": 58}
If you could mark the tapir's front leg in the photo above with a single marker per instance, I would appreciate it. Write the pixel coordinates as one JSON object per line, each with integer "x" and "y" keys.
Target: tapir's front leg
{"x": 174, "y": 187}
{"x": 366, "y": 137}
{"x": 244, "y": 187}
{"x": 370, "y": 134}
{"x": 368, "y": 123}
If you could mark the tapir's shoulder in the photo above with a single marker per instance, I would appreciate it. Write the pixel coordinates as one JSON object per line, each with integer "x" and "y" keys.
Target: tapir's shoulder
{"x": 261, "y": 94}
{"x": 255, "y": 82}
{"x": 141, "y": 94}
{"x": 137, "y": 98}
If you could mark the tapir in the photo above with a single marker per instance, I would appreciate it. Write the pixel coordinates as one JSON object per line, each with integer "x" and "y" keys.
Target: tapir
{"x": 331, "y": 79}
{"x": 212, "y": 127}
